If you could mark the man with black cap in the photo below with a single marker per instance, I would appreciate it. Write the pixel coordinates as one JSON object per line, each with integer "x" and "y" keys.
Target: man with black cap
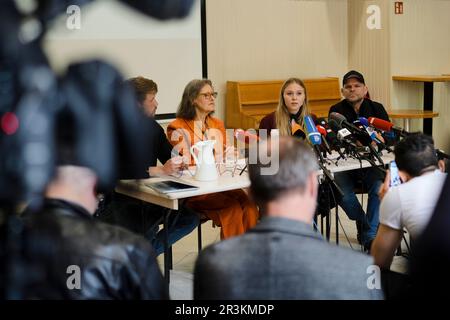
{"x": 355, "y": 105}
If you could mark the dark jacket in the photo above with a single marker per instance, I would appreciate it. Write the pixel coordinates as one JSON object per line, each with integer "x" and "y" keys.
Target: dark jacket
{"x": 160, "y": 149}
{"x": 282, "y": 259}
{"x": 268, "y": 122}
{"x": 113, "y": 263}
{"x": 368, "y": 109}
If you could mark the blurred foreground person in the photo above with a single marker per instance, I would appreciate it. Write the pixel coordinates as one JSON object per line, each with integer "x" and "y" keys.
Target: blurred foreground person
{"x": 66, "y": 253}
{"x": 283, "y": 257}
{"x": 84, "y": 258}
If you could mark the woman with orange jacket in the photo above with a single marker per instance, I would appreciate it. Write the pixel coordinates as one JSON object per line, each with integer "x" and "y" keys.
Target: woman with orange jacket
{"x": 232, "y": 210}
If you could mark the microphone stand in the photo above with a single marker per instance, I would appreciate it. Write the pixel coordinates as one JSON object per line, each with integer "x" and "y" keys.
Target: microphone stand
{"x": 322, "y": 209}
{"x": 375, "y": 153}
{"x": 372, "y": 163}
{"x": 330, "y": 179}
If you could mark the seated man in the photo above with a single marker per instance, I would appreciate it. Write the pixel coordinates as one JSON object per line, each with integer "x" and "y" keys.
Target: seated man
{"x": 353, "y": 106}
{"x": 282, "y": 257}
{"x": 410, "y": 204}
{"x": 68, "y": 255}
{"x": 138, "y": 216}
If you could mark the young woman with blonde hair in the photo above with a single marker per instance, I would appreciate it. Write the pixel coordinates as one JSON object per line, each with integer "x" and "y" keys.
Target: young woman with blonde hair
{"x": 292, "y": 107}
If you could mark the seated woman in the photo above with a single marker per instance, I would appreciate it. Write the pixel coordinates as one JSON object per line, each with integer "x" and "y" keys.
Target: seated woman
{"x": 231, "y": 210}
{"x": 292, "y": 107}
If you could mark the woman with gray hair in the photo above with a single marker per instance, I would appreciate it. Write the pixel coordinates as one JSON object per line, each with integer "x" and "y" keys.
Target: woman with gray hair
{"x": 231, "y": 210}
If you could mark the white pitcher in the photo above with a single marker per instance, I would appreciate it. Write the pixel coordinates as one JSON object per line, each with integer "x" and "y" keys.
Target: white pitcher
{"x": 204, "y": 160}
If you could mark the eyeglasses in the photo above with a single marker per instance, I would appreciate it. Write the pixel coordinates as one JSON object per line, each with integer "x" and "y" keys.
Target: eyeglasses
{"x": 208, "y": 95}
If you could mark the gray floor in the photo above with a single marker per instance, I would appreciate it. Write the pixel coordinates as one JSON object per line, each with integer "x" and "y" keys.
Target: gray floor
{"x": 185, "y": 253}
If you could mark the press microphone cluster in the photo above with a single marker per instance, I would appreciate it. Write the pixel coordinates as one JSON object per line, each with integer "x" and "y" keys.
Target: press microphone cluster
{"x": 352, "y": 133}
{"x": 331, "y": 137}
{"x": 363, "y": 123}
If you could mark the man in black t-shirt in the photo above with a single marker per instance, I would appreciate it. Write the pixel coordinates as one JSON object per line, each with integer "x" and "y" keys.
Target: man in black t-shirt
{"x": 355, "y": 105}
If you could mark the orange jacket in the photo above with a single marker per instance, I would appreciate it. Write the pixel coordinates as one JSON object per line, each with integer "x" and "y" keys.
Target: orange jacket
{"x": 183, "y": 134}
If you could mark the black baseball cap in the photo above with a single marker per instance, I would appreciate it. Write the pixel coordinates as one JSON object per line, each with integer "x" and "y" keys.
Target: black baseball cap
{"x": 353, "y": 74}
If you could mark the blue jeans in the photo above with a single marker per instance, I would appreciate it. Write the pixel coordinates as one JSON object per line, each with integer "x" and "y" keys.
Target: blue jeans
{"x": 181, "y": 223}
{"x": 371, "y": 179}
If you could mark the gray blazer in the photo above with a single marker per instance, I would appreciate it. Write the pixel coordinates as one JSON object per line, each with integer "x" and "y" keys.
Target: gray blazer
{"x": 282, "y": 259}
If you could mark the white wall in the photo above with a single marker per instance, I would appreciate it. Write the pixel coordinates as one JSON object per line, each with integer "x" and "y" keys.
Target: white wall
{"x": 274, "y": 39}
{"x": 420, "y": 44}
{"x": 169, "y": 52}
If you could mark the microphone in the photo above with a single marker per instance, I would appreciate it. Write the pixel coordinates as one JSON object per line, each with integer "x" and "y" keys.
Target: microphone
{"x": 342, "y": 121}
{"x": 364, "y": 122}
{"x": 372, "y": 133}
{"x": 323, "y": 133}
{"x": 332, "y": 138}
{"x": 359, "y": 133}
{"x": 245, "y": 136}
{"x": 297, "y": 130}
{"x": 387, "y": 126}
{"x": 343, "y": 134}
{"x": 372, "y": 136}
{"x": 311, "y": 131}
{"x": 314, "y": 137}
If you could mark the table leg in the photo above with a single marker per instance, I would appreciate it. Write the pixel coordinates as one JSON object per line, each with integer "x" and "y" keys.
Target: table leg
{"x": 428, "y": 105}
{"x": 167, "y": 253}
{"x": 199, "y": 237}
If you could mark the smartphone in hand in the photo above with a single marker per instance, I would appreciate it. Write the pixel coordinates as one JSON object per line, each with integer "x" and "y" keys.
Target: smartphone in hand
{"x": 395, "y": 177}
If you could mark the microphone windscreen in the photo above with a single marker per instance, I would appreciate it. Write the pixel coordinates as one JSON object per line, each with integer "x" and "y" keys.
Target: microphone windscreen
{"x": 339, "y": 118}
{"x": 364, "y": 121}
{"x": 334, "y": 125}
{"x": 380, "y": 124}
{"x": 321, "y": 130}
{"x": 313, "y": 135}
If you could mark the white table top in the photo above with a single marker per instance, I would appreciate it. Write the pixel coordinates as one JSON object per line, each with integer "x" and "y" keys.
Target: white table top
{"x": 227, "y": 181}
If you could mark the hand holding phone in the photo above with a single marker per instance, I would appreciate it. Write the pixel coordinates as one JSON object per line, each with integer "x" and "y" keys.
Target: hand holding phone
{"x": 395, "y": 179}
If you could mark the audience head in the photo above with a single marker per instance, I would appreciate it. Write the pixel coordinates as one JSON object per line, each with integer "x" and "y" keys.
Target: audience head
{"x": 293, "y": 99}
{"x": 296, "y": 176}
{"x": 354, "y": 87}
{"x": 198, "y": 100}
{"x": 145, "y": 91}
{"x": 416, "y": 155}
{"x": 75, "y": 184}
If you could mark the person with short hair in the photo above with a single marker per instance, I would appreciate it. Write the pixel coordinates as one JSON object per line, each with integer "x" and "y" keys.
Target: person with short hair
{"x": 409, "y": 205}
{"x": 283, "y": 257}
{"x": 232, "y": 210}
{"x": 69, "y": 255}
{"x": 142, "y": 217}
{"x": 291, "y": 109}
{"x": 355, "y": 105}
